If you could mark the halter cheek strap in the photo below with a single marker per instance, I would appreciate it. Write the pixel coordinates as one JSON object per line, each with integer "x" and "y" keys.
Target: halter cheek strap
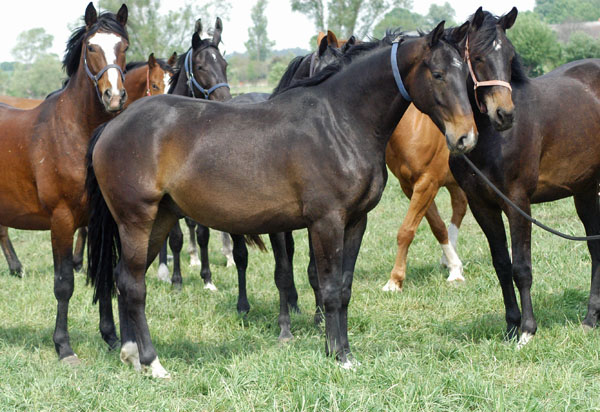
{"x": 98, "y": 75}
{"x": 396, "y": 71}
{"x": 484, "y": 83}
{"x": 187, "y": 64}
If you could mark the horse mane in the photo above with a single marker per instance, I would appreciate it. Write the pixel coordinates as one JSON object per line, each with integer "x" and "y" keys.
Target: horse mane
{"x": 161, "y": 62}
{"x": 180, "y": 62}
{"x": 288, "y": 75}
{"x": 107, "y": 21}
{"x": 345, "y": 59}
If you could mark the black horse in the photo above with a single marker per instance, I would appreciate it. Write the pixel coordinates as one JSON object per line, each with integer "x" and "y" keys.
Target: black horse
{"x": 552, "y": 151}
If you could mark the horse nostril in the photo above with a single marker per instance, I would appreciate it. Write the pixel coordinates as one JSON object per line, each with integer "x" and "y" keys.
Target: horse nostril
{"x": 108, "y": 94}
{"x": 123, "y": 94}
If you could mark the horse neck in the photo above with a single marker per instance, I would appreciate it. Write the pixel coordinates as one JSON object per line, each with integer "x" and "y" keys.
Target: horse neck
{"x": 136, "y": 83}
{"x": 181, "y": 87}
{"x": 367, "y": 92}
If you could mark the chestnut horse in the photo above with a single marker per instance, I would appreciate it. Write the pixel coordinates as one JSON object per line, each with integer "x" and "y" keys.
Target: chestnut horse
{"x": 43, "y": 149}
{"x": 418, "y": 156}
{"x": 551, "y": 152}
{"x": 297, "y": 163}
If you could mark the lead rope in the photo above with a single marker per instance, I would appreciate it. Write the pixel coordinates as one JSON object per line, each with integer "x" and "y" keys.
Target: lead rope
{"x": 525, "y": 215}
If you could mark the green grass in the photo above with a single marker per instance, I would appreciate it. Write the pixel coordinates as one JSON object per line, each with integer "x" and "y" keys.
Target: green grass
{"x": 434, "y": 347}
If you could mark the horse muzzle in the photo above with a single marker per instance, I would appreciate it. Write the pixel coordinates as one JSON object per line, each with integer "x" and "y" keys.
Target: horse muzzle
{"x": 113, "y": 102}
{"x": 459, "y": 143}
{"x": 500, "y": 108}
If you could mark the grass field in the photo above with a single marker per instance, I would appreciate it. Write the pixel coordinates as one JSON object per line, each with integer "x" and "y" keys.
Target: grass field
{"x": 434, "y": 347}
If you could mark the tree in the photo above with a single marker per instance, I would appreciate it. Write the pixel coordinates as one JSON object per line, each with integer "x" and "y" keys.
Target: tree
{"x": 535, "y": 41}
{"x": 560, "y": 11}
{"x": 151, "y": 32}
{"x": 38, "y": 79}
{"x": 346, "y": 17}
{"x": 581, "y": 46}
{"x": 399, "y": 18}
{"x": 258, "y": 44}
{"x": 438, "y": 13}
{"x": 31, "y": 44}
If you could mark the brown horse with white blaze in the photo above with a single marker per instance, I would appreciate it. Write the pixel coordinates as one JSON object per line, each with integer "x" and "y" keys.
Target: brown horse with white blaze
{"x": 42, "y": 150}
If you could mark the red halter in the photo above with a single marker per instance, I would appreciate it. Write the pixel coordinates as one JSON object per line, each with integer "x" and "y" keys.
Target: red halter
{"x": 148, "y": 82}
{"x": 484, "y": 83}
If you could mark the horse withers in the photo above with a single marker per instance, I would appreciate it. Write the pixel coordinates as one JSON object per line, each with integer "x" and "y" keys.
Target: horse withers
{"x": 297, "y": 164}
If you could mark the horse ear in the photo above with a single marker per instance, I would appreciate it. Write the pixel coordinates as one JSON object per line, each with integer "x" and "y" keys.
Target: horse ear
{"x": 198, "y": 27}
{"x": 196, "y": 40}
{"x": 322, "y": 46}
{"x": 332, "y": 40}
{"x": 122, "y": 15}
{"x": 172, "y": 60}
{"x": 349, "y": 43}
{"x": 507, "y": 21}
{"x": 151, "y": 61}
{"x": 319, "y": 38}
{"x": 218, "y": 30}
{"x": 91, "y": 17}
{"x": 459, "y": 33}
{"x": 436, "y": 34}
{"x": 477, "y": 19}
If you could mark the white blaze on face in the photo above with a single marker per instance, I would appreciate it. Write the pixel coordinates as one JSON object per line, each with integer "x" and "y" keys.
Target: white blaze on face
{"x": 108, "y": 42}
{"x": 166, "y": 78}
{"x": 214, "y": 56}
{"x": 456, "y": 63}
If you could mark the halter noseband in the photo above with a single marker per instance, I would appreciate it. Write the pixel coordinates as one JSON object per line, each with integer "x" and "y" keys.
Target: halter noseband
{"x": 484, "y": 83}
{"x": 187, "y": 64}
{"x": 98, "y": 75}
{"x": 396, "y": 71}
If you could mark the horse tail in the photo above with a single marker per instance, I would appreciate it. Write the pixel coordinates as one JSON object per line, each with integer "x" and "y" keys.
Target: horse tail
{"x": 256, "y": 241}
{"x": 103, "y": 236}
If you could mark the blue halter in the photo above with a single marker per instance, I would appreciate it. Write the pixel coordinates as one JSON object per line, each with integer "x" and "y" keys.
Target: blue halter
{"x": 187, "y": 64}
{"x": 396, "y": 72}
{"x": 98, "y": 75}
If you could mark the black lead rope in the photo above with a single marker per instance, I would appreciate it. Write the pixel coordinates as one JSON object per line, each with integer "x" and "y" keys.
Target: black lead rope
{"x": 521, "y": 212}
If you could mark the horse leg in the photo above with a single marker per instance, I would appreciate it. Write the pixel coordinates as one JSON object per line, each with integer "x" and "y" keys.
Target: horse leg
{"x": 62, "y": 229}
{"x": 14, "y": 265}
{"x": 587, "y": 210}
{"x": 79, "y": 248}
{"x": 352, "y": 239}
{"x": 327, "y": 235}
{"x": 163, "y": 269}
{"x": 202, "y": 234}
{"x": 452, "y": 261}
{"x": 227, "y": 248}
{"x": 314, "y": 283}
{"x": 240, "y": 255}
{"x": 293, "y": 292}
{"x": 459, "y": 202}
{"x": 489, "y": 219}
{"x": 421, "y": 196}
{"x": 192, "y": 247}
{"x": 176, "y": 244}
{"x": 283, "y": 281}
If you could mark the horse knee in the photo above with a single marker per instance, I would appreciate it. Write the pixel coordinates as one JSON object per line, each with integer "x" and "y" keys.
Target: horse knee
{"x": 405, "y": 236}
{"x": 522, "y": 275}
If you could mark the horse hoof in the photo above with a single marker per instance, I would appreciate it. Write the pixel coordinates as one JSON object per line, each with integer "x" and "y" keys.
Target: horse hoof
{"x": 163, "y": 273}
{"x": 456, "y": 277}
{"x": 158, "y": 371}
{"x": 176, "y": 286}
{"x": 285, "y": 337}
{"x": 130, "y": 355}
{"x": 391, "y": 286}
{"x": 19, "y": 273}
{"x": 525, "y": 338}
{"x": 350, "y": 364}
{"x": 230, "y": 262}
{"x": 194, "y": 261}
{"x": 72, "y": 360}
{"x": 210, "y": 286}
{"x": 587, "y": 328}
{"x": 77, "y": 266}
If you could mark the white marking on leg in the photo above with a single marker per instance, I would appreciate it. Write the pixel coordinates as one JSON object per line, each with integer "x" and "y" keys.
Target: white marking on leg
{"x": 163, "y": 273}
{"x": 453, "y": 235}
{"x": 454, "y": 263}
{"x": 158, "y": 371}
{"x": 131, "y": 356}
{"x": 194, "y": 261}
{"x": 227, "y": 248}
{"x": 391, "y": 286}
{"x": 210, "y": 286}
{"x": 524, "y": 340}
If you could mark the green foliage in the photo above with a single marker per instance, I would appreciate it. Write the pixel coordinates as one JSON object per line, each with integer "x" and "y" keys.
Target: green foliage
{"x": 31, "y": 44}
{"x": 277, "y": 69}
{"x": 438, "y": 13}
{"x": 162, "y": 34}
{"x": 258, "y": 44}
{"x": 34, "y": 80}
{"x": 535, "y": 41}
{"x": 581, "y": 46}
{"x": 399, "y": 18}
{"x": 560, "y": 11}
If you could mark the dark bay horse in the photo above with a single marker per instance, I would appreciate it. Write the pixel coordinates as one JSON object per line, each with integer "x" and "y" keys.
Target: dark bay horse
{"x": 297, "y": 163}
{"x": 552, "y": 151}
{"x": 418, "y": 156}
{"x": 43, "y": 149}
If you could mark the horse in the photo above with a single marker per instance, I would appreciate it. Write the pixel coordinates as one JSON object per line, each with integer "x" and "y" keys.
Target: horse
{"x": 43, "y": 149}
{"x": 551, "y": 152}
{"x": 297, "y": 163}
{"x": 20, "y": 102}
{"x": 418, "y": 156}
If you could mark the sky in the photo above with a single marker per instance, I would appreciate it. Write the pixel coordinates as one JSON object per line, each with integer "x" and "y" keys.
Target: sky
{"x": 288, "y": 29}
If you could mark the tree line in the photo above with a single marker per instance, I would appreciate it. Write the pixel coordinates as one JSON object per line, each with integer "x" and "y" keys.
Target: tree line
{"x": 35, "y": 72}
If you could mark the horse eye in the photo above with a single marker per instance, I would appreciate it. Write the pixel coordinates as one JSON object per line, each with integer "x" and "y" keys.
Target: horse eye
{"x": 478, "y": 59}
{"x": 155, "y": 87}
{"x": 90, "y": 48}
{"x": 438, "y": 75}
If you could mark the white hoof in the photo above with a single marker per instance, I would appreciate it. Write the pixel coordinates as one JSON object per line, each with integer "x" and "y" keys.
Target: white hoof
{"x": 211, "y": 287}
{"x": 131, "y": 356}
{"x": 194, "y": 261}
{"x": 158, "y": 371}
{"x": 230, "y": 261}
{"x": 350, "y": 365}
{"x": 524, "y": 339}
{"x": 391, "y": 286}
{"x": 72, "y": 360}
{"x": 163, "y": 273}
{"x": 456, "y": 275}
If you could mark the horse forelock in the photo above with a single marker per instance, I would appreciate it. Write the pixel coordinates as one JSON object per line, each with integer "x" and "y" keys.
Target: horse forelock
{"x": 107, "y": 22}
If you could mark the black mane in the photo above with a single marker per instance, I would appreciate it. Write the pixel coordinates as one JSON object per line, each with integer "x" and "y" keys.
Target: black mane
{"x": 161, "y": 62}
{"x": 106, "y": 22}
{"x": 288, "y": 75}
{"x": 180, "y": 62}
